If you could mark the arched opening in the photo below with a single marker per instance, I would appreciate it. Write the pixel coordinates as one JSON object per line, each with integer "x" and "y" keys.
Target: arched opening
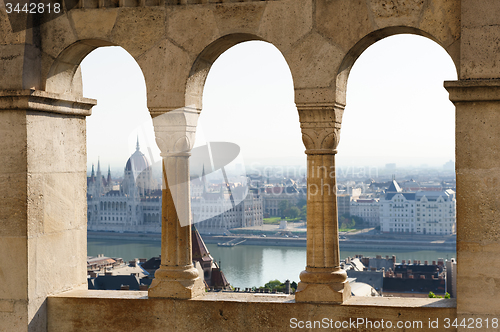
{"x": 64, "y": 75}
{"x": 119, "y": 136}
{"x": 397, "y": 151}
{"x": 369, "y": 40}
{"x": 203, "y": 64}
{"x": 248, "y": 100}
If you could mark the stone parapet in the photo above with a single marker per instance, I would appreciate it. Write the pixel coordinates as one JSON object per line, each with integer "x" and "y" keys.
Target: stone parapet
{"x": 119, "y": 310}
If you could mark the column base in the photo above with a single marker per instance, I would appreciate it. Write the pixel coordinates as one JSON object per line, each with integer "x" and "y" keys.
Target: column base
{"x": 324, "y": 293}
{"x": 176, "y": 284}
{"x": 176, "y": 289}
{"x": 323, "y": 285}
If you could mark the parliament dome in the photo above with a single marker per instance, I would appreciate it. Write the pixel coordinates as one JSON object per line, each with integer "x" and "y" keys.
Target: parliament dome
{"x": 137, "y": 161}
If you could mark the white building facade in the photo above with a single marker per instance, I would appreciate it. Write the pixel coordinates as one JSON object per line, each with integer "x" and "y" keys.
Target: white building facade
{"x": 217, "y": 213}
{"x": 368, "y": 209}
{"x": 421, "y": 212}
{"x": 134, "y": 207}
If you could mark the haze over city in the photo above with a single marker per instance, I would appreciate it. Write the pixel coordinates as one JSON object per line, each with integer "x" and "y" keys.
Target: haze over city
{"x": 407, "y": 117}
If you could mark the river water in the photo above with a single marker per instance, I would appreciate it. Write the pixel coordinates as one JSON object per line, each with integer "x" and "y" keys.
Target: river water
{"x": 247, "y": 266}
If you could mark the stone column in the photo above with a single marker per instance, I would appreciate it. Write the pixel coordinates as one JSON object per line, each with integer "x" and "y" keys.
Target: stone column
{"x": 477, "y": 154}
{"x": 323, "y": 280}
{"x": 177, "y": 277}
{"x": 43, "y": 210}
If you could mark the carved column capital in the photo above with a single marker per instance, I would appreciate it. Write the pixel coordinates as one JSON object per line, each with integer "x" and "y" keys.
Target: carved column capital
{"x": 320, "y": 125}
{"x": 175, "y": 131}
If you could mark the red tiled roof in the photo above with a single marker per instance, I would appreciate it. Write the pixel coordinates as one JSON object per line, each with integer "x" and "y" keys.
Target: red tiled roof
{"x": 199, "y": 249}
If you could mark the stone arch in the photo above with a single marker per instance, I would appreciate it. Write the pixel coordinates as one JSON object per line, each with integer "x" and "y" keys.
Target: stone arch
{"x": 201, "y": 66}
{"x": 64, "y": 75}
{"x": 370, "y": 39}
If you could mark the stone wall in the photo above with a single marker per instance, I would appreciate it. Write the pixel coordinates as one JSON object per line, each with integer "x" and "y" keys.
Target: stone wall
{"x": 117, "y": 311}
{"x": 42, "y": 167}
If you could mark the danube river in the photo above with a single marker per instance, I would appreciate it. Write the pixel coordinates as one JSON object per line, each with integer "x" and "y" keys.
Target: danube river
{"x": 247, "y": 266}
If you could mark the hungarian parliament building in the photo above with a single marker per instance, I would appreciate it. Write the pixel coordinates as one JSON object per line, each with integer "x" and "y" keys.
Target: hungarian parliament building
{"x": 134, "y": 205}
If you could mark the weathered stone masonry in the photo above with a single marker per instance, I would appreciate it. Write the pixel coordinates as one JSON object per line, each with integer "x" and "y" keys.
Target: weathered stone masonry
{"x": 42, "y": 168}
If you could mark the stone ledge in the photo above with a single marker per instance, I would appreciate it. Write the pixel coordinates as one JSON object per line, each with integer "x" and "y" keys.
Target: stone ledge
{"x": 400, "y": 302}
{"x": 473, "y": 90}
{"x": 38, "y": 100}
{"x": 126, "y": 310}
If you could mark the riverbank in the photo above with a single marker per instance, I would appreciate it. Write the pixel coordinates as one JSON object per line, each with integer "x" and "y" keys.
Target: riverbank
{"x": 354, "y": 242}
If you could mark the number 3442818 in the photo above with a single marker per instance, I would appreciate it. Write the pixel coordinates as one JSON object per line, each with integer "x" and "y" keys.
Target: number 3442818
{"x": 33, "y": 8}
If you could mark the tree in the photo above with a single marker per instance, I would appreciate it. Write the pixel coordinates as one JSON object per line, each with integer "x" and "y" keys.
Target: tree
{"x": 357, "y": 220}
{"x": 293, "y": 212}
{"x": 303, "y": 212}
{"x": 284, "y": 206}
{"x": 273, "y": 284}
{"x": 346, "y": 223}
{"x": 301, "y": 202}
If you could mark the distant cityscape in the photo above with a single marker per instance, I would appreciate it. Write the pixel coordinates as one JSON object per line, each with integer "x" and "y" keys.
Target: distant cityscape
{"x": 420, "y": 202}
{"x": 381, "y": 204}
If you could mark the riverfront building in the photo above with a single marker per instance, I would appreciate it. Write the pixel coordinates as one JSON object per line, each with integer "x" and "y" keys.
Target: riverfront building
{"x": 273, "y": 195}
{"x": 368, "y": 209}
{"x": 218, "y": 212}
{"x": 421, "y": 212}
{"x": 133, "y": 206}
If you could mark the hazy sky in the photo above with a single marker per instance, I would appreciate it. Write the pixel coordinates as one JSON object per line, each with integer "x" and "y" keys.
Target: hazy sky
{"x": 397, "y": 109}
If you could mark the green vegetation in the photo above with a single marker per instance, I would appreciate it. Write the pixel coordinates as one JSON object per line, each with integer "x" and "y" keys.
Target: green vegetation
{"x": 272, "y": 221}
{"x": 292, "y": 212}
{"x": 301, "y": 203}
{"x": 273, "y": 284}
{"x": 348, "y": 222}
{"x": 278, "y": 286}
{"x": 434, "y": 296}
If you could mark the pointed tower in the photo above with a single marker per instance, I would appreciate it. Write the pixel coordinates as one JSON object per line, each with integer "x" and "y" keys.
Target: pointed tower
{"x": 394, "y": 187}
{"x": 99, "y": 177}
{"x": 204, "y": 180}
{"x": 98, "y": 167}
{"x": 92, "y": 175}
{"x": 108, "y": 180}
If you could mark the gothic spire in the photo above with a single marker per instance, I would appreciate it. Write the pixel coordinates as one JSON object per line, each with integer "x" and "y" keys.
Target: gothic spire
{"x": 109, "y": 175}
{"x": 203, "y": 180}
{"x": 137, "y": 146}
{"x": 92, "y": 175}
